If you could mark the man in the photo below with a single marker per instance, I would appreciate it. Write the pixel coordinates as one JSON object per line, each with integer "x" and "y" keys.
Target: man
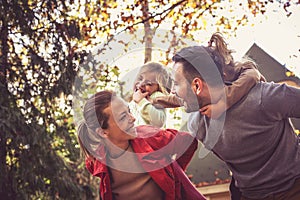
{"x": 254, "y": 137}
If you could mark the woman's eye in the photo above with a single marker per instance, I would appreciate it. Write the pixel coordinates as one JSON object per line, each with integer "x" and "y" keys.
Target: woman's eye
{"x": 122, "y": 117}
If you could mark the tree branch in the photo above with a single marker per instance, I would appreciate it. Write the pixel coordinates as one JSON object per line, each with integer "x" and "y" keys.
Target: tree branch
{"x": 143, "y": 21}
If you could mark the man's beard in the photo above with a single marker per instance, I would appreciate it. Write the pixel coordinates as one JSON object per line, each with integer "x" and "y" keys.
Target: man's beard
{"x": 192, "y": 104}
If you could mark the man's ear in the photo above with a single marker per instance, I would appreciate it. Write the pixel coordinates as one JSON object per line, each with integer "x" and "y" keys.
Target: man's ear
{"x": 197, "y": 85}
{"x": 102, "y": 132}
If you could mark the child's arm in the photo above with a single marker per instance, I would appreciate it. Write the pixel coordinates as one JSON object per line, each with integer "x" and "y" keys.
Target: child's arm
{"x": 248, "y": 77}
{"x": 150, "y": 114}
{"x": 169, "y": 101}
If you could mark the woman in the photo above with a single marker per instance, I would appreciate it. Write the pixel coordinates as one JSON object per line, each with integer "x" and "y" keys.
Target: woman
{"x": 134, "y": 162}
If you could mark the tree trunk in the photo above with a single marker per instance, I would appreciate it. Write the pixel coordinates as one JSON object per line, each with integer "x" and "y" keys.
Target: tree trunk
{"x": 4, "y": 103}
{"x": 148, "y": 32}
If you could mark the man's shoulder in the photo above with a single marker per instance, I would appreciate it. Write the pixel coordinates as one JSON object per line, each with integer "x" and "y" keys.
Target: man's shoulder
{"x": 270, "y": 84}
{"x": 268, "y": 87}
{"x": 262, "y": 92}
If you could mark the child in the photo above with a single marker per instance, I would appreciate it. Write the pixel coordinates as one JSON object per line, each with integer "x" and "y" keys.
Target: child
{"x": 152, "y": 81}
{"x": 240, "y": 77}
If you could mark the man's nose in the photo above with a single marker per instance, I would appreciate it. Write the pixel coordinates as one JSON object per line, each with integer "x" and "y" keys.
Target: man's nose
{"x": 173, "y": 90}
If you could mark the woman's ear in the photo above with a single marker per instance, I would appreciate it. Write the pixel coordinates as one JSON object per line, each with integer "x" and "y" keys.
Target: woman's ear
{"x": 197, "y": 86}
{"x": 101, "y": 132}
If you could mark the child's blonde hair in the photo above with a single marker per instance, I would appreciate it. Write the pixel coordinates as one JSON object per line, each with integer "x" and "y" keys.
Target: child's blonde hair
{"x": 162, "y": 76}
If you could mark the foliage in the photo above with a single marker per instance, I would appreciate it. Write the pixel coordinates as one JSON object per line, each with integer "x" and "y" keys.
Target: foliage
{"x": 182, "y": 18}
{"x": 38, "y": 67}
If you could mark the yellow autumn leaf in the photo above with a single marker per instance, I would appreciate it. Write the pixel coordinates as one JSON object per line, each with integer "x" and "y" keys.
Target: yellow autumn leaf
{"x": 227, "y": 26}
{"x": 288, "y": 73}
{"x": 105, "y": 16}
{"x": 204, "y": 22}
{"x": 192, "y": 4}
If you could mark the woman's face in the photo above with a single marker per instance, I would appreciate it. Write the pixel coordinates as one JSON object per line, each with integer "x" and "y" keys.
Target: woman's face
{"x": 120, "y": 121}
{"x": 146, "y": 82}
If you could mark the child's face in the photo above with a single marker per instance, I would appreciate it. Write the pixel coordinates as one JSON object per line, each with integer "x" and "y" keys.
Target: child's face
{"x": 146, "y": 82}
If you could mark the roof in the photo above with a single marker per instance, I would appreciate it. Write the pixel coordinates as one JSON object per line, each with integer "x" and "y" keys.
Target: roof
{"x": 269, "y": 67}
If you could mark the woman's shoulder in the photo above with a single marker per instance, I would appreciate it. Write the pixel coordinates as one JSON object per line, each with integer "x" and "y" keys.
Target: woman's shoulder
{"x": 146, "y": 131}
{"x": 150, "y": 134}
{"x": 155, "y": 137}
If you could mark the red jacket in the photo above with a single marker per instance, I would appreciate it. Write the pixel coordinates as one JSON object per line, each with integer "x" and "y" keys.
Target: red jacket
{"x": 171, "y": 177}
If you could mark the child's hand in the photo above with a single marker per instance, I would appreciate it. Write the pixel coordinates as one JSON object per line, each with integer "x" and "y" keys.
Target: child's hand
{"x": 213, "y": 111}
{"x": 138, "y": 95}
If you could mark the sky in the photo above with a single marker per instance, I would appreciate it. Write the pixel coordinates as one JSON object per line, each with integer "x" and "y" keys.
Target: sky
{"x": 276, "y": 34}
